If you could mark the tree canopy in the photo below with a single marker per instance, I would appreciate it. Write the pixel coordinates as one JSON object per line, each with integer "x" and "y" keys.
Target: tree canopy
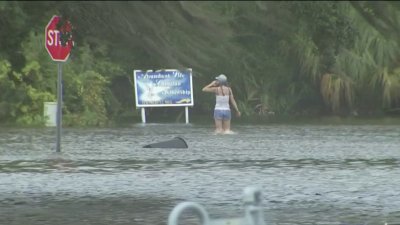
{"x": 293, "y": 58}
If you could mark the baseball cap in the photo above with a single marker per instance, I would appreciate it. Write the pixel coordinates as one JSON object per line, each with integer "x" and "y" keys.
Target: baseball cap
{"x": 221, "y": 78}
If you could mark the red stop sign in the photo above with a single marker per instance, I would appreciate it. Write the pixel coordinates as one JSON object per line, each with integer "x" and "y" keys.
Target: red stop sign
{"x": 53, "y": 44}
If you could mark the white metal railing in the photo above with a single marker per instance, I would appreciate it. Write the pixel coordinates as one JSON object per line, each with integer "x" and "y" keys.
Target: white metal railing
{"x": 253, "y": 214}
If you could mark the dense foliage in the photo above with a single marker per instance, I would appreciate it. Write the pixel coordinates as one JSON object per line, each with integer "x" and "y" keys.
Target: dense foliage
{"x": 292, "y": 58}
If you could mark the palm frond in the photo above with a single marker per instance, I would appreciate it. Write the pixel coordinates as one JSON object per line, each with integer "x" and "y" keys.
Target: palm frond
{"x": 337, "y": 91}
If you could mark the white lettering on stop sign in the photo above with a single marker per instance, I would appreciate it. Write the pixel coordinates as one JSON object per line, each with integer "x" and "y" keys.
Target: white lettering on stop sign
{"x": 53, "y": 37}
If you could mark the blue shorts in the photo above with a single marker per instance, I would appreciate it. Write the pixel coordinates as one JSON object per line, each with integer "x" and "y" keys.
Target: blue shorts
{"x": 222, "y": 114}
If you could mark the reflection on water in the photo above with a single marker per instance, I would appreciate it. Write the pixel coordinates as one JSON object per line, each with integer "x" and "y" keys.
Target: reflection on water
{"x": 309, "y": 174}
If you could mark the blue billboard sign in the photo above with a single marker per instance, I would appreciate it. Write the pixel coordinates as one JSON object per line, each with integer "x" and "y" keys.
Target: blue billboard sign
{"x": 161, "y": 88}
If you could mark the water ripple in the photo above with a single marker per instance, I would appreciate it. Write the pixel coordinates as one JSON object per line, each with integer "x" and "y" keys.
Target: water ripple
{"x": 309, "y": 174}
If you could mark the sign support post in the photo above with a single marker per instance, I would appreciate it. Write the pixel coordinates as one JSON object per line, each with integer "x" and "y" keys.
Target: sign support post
{"x": 59, "y": 50}
{"x": 187, "y": 114}
{"x": 59, "y": 106}
{"x": 143, "y": 115}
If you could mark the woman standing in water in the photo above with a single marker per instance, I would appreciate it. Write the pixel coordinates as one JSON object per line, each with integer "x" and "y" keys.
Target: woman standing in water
{"x": 222, "y": 111}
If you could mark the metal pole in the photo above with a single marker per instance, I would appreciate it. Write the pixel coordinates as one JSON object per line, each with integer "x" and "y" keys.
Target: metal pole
{"x": 143, "y": 115}
{"x": 59, "y": 108}
{"x": 199, "y": 210}
{"x": 187, "y": 114}
{"x": 252, "y": 203}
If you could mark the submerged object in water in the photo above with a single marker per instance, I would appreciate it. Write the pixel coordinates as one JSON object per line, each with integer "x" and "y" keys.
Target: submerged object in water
{"x": 176, "y": 142}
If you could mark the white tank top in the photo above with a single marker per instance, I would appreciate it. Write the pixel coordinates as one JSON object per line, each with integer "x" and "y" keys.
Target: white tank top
{"x": 222, "y": 102}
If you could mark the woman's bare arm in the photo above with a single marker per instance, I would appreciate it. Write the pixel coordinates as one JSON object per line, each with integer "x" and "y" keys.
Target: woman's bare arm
{"x": 211, "y": 87}
{"x": 233, "y": 102}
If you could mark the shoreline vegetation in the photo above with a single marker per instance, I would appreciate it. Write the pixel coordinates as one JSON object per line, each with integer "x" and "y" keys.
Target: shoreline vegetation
{"x": 247, "y": 121}
{"x": 288, "y": 61}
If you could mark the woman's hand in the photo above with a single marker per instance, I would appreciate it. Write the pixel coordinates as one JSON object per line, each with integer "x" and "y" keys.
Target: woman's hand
{"x": 238, "y": 114}
{"x": 214, "y": 83}
{"x": 210, "y": 87}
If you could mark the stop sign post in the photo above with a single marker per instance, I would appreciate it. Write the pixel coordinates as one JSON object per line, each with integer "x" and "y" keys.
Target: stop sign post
{"x": 58, "y": 52}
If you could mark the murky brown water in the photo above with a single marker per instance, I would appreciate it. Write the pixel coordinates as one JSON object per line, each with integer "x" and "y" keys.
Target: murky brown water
{"x": 309, "y": 174}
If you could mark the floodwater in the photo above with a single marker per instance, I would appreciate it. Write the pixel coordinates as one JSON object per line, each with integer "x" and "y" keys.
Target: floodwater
{"x": 309, "y": 174}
